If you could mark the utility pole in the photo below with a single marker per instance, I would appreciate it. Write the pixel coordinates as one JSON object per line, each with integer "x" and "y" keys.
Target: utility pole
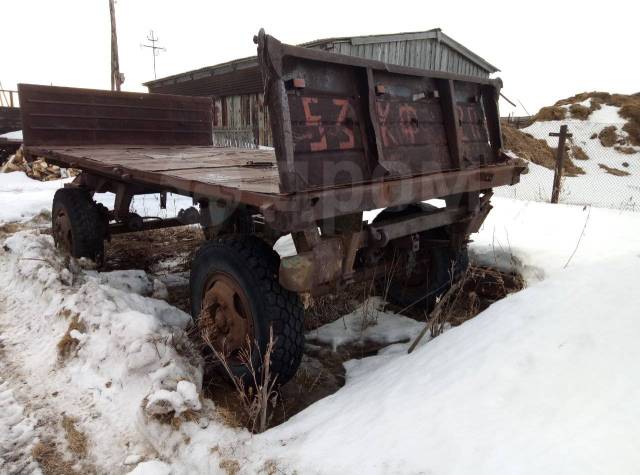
{"x": 116, "y": 77}
{"x": 155, "y": 50}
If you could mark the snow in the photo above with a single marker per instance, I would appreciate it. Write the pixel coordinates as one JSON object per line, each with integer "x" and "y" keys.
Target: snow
{"x": 538, "y": 239}
{"x": 368, "y": 323}
{"x": 130, "y": 346}
{"x": 184, "y": 398}
{"x": 544, "y": 381}
{"x": 16, "y": 135}
{"x": 17, "y": 436}
{"x": 153, "y": 467}
{"x": 24, "y": 198}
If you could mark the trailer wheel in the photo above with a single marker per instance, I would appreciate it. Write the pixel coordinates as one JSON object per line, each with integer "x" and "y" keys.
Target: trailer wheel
{"x": 236, "y": 300}
{"x": 79, "y": 226}
{"x": 435, "y": 267}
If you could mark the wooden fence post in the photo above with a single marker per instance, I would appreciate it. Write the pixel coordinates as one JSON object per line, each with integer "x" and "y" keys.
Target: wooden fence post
{"x": 557, "y": 176}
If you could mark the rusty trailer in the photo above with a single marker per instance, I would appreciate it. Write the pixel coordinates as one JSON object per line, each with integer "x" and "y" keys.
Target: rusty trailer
{"x": 349, "y": 135}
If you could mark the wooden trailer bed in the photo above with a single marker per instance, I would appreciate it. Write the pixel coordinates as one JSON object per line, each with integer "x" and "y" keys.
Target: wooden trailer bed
{"x": 349, "y": 135}
{"x": 183, "y": 168}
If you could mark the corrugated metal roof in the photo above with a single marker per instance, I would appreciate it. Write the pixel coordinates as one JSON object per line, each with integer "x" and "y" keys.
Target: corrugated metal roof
{"x": 245, "y": 69}
{"x": 237, "y": 65}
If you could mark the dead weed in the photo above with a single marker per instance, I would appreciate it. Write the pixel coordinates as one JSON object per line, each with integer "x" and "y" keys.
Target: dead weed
{"x": 551, "y": 113}
{"x": 536, "y": 151}
{"x": 68, "y": 344}
{"x": 51, "y": 460}
{"x": 578, "y": 153}
{"x": 613, "y": 171}
{"x": 231, "y": 467}
{"x": 625, "y": 150}
{"x": 608, "y": 136}
{"x": 77, "y": 440}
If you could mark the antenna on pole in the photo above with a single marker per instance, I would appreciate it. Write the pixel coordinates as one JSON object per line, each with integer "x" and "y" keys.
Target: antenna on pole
{"x": 117, "y": 78}
{"x": 155, "y": 50}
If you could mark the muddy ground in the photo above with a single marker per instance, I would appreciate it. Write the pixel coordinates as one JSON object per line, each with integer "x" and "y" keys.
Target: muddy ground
{"x": 166, "y": 254}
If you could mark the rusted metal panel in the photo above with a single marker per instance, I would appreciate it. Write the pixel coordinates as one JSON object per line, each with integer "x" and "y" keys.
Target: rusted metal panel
{"x": 356, "y": 120}
{"x": 10, "y": 119}
{"x": 59, "y": 115}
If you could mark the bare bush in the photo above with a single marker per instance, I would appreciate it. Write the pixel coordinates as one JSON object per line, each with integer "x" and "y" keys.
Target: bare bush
{"x": 259, "y": 393}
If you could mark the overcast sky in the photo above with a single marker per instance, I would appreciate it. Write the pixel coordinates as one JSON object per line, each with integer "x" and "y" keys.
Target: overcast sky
{"x": 546, "y": 50}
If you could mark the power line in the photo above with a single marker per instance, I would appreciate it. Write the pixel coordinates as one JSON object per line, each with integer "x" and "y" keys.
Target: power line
{"x": 155, "y": 50}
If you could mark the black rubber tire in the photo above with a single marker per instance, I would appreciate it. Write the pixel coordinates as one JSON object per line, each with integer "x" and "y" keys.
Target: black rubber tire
{"x": 254, "y": 266}
{"x": 442, "y": 261}
{"x": 88, "y": 222}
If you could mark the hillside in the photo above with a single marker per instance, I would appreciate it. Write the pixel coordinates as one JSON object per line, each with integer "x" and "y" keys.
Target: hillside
{"x": 603, "y": 166}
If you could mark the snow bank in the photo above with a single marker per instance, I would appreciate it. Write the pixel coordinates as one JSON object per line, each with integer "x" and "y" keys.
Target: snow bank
{"x": 544, "y": 381}
{"x": 17, "y": 436}
{"x": 125, "y": 348}
{"x": 539, "y": 239}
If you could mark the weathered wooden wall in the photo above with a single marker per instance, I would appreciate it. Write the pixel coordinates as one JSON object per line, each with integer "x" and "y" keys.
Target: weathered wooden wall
{"x": 240, "y": 115}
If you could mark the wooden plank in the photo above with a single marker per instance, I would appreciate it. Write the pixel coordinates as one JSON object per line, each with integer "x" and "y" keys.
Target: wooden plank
{"x": 58, "y": 115}
{"x": 451, "y": 121}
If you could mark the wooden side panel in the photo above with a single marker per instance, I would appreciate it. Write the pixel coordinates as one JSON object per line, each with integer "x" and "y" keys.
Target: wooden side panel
{"x": 476, "y": 149}
{"x": 68, "y": 116}
{"x": 343, "y": 120}
{"x": 410, "y": 120}
{"x": 327, "y": 124}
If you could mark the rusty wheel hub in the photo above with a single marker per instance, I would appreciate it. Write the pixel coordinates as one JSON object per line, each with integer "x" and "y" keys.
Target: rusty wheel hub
{"x": 62, "y": 230}
{"x": 225, "y": 321}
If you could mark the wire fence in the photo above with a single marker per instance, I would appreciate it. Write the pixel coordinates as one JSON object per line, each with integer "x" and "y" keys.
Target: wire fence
{"x": 603, "y": 167}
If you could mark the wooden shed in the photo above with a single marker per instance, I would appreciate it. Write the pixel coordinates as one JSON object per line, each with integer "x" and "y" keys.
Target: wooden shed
{"x": 240, "y": 116}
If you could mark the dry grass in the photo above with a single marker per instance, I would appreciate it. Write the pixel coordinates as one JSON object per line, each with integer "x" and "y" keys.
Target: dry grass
{"x": 578, "y": 153}
{"x": 625, "y": 150}
{"x": 270, "y": 467}
{"x": 629, "y": 109}
{"x": 551, "y": 113}
{"x": 613, "y": 171}
{"x": 537, "y": 151}
{"x": 608, "y": 136}
{"x": 67, "y": 344}
{"x": 478, "y": 288}
{"x": 77, "y": 440}
{"x": 328, "y": 308}
{"x": 257, "y": 392}
{"x": 595, "y": 96}
{"x": 580, "y": 112}
{"x": 51, "y": 461}
{"x": 633, "y": 129}
{"x": 230, "y": 467}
